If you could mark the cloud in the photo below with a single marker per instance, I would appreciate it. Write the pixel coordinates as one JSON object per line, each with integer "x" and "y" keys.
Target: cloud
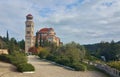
{"x": 83, "y": 21}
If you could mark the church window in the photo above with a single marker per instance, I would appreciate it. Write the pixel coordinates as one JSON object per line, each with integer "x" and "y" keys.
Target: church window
{"x": 28, "y": 25}
{"x": 28, "y": 32}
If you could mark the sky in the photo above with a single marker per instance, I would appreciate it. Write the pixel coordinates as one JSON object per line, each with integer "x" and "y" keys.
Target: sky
{"x": 82, "y": 21}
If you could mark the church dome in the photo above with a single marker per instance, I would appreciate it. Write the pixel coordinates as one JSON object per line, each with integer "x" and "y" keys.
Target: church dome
{"x": 44, "y": 30}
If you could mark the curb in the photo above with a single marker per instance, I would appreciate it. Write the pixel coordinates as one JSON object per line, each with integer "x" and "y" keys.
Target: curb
{"x": 29, "y": 72}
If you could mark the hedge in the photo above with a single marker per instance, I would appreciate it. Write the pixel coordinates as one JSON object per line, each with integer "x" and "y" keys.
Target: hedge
{"x": 79, "y": 67}
{"x": 114, "y": 64}
{"x": 19, "y": 60}
{"x": 5, "y": 58}
{"x": 25, "y": 67}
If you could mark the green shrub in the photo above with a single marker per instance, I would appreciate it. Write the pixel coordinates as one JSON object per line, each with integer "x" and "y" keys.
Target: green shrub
{"x": 43, "y": 54}
{"x": 51, "y": 57}
{"x": 79, "y": 67}
{"x": 18, "y": 58}
{"x": 114, "y": 64}
{"x": 25, "y": 67}
{"x": 63, "y": 60}
{"x": 5, "y": 58}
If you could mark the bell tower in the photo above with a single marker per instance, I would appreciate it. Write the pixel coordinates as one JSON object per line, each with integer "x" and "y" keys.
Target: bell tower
{"x": 29, "y": 32}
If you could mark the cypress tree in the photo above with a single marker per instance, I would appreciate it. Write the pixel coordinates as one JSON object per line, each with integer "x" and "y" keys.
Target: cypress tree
{"x": 7, "y": 36}
{"x": 36, "y": 41}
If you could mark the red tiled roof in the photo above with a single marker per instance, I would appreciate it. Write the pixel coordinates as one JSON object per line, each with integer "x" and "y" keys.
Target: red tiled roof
{"x": 45, "y": 30}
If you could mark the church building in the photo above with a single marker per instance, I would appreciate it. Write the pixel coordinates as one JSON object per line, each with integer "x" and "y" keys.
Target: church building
{"x": 43, "y": 35}
{"x": 47, "y": 34}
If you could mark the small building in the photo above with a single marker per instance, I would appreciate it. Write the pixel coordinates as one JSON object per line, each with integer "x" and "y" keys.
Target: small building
{"x": 3, "y": 51}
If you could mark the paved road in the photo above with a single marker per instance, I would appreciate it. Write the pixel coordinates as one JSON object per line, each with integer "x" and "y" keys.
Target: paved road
{"x": 45, "y": 69}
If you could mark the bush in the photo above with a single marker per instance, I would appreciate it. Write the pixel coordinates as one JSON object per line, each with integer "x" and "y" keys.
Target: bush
{"x": 51, "y": 57}
{"x": 18, "y": 60}
{"x": 63, "y": 60}
{"x": 114, "y": 64}
{"x": 25, "y": 67}
{"x": 5, "y": 58}
{"x": 79, "y": 67}
{"x": 44, "y": 53}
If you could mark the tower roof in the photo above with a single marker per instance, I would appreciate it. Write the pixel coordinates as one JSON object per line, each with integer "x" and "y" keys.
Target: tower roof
{"x": 29, "y": 16}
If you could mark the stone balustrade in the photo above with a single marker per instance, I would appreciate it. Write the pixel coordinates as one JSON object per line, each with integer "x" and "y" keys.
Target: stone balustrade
{"x": 111, "y": 71}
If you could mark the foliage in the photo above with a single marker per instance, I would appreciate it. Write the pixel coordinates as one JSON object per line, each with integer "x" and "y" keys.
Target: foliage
{"x": 44, "y": 52}
{"x": 92, "y": 58}
{"x": 39, "y": 49}
{"x": 71, "y": 51}
{"x": 11, "y": 44}
{"x": 15, "y": 56}
{"x": 24, "y": 67}
{"x": 66, "y": 55}
{"x": 5, "y": 58}
{"x": 21, "y": 44}
{"x": 18, "y": 58}
{"x": 33, "y": 50}
{"x": 114, "y": 64}
{"x": 79, "y": 67}
{"x": 7, "y": 36}
{"x": 110, "y": 51}
{"x": 3, "y": 44}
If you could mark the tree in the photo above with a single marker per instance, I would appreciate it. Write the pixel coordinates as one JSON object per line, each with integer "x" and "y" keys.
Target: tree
{"x": 13, "y": 45}
{"x": 21, "y": 44}
{"x": 44, "y": 52}
{"x": 7, "y": 36}
{"x": 110, "y": 50}
{"x": 36, "y": 41}
{"x": 70, "y": 53}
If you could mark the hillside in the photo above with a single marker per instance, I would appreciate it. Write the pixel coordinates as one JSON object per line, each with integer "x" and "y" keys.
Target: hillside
{"x": 111, "y": 51}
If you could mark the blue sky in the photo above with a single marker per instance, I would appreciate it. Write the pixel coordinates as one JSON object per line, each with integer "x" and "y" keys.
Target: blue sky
{"x": 82, "y": 21}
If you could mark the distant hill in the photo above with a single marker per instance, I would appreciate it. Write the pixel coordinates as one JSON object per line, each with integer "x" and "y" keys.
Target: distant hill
{"x": 118, "y": 42}
{"x": 111, "y": 51}
{"x": 92, "y": 47}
